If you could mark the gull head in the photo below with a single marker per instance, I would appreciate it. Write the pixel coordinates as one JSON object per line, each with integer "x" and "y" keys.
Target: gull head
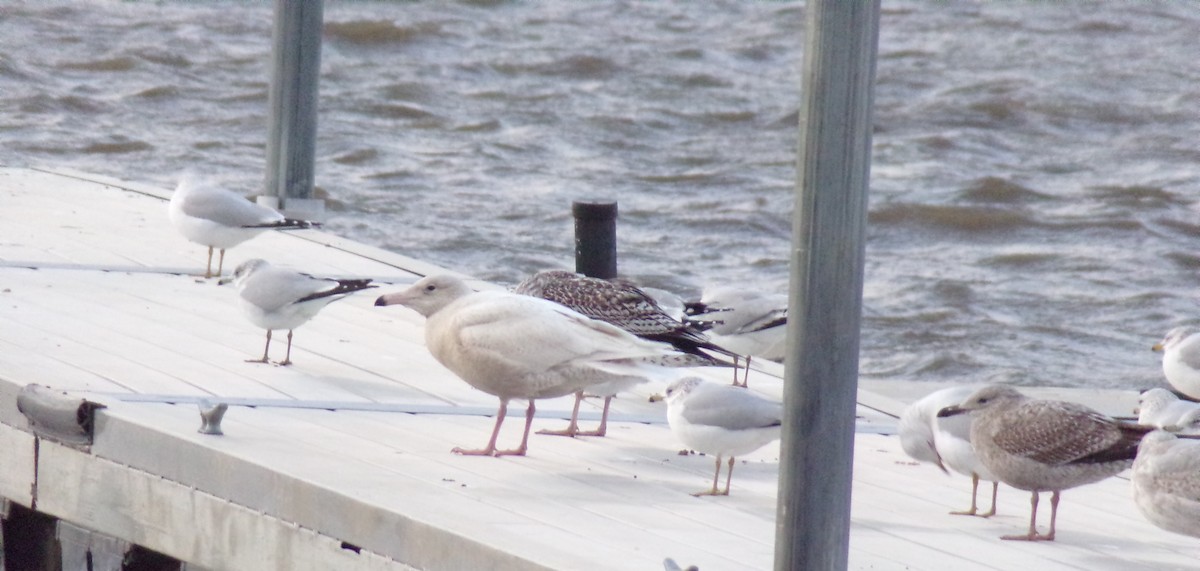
{"x": 1174, "y": 337}
{"x": 680, "y": 389}
{"x": 987, "y": 397}
{"x": 244, "y": 271}
{"x": 1154, "y": 400}
{"x": 429, "y": 295}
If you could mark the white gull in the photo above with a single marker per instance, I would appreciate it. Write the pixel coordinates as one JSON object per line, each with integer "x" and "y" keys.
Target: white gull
{"x": 217, "y": 218}
{"x": 746, "y": 322}
{"x": 1181, "y": 360}
{"x": 515, "y": 346}
{"x": 1161, "y": 408}
{"x": 278, "y": 298}
{"x": 1166, "y": 482}
{"x": 946, "y": 441}
{"x": 721, "y": 420}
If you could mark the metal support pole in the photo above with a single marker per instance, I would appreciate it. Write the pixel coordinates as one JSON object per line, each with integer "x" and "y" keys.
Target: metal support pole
{"x": 292, "y": 127}
{"x": 595, "y": 238}
{"x": 821, "y": 376}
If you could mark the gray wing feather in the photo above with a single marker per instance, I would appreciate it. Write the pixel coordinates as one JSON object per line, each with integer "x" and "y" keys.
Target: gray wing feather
{"x": 275, "y": 288}
{"x": 227, "y": 208}
{"x": 1190, "y": 355}
{"x": 734, "y": 409}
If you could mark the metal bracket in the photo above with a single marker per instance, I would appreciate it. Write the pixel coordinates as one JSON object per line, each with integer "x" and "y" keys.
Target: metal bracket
{"x": 210, "y": 417}
{"x": 55, "y": 415}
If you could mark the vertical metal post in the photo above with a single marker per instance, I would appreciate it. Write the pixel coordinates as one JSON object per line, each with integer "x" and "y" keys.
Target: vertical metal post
{"x": 292, "y": 127}
{"x": 595, "y": 238}
{"x": 821, "y": 377}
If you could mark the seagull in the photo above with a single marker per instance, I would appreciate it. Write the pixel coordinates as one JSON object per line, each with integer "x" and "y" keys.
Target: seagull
{"x": 217, "y": 218}
{"x": 1166, "y": 482}
{"x": 1181, "y": 360}
{"x": 516, "y": 346}
{"x": 276, "y": 298}
{"x": 946, "y": 441}
{"x": 722, "y": 420}
{"x": 629, "y": 308}
{"x": 1161, "y": 408}
{"x": 1045, "y": 445}
{"x": 748, "y": 323}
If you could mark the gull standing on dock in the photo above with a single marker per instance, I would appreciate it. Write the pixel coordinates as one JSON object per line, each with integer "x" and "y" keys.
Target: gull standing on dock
{"x": 1161, "y": 408}
{"x": 629, "y": 308}
{"x": 746, "y": 322}
{"x": 946, "y": 441}
{"x": 1045, "y": 445}
{"x": 217, "y": 218}
{"x": 277, "y": 298}
{"x": 1166, "y": 482}
{"x": 1181, "y": 360}
{"x": 721, "y": 420}
{"x": 516, "y": 346}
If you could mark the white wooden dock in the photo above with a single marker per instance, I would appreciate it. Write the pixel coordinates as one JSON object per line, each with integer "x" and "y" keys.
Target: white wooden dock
{"x": 345, "y": 461}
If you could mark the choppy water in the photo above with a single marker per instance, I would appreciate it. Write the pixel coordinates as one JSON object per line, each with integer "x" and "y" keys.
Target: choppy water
{"x": 1034, "y": 189}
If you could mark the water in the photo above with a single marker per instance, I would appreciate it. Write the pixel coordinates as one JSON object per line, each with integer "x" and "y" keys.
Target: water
{"x": 1033, "y": 213}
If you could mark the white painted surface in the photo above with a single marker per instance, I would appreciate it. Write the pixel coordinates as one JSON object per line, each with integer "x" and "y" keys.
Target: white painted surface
{"x": 16, "y": 465}
{"x": 284, "y": 483}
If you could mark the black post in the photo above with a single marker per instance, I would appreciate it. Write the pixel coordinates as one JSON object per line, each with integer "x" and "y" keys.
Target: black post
{"x": 595, "y": 238}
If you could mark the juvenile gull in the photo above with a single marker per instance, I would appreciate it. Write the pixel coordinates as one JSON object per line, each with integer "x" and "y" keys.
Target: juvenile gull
{"x": 1166, "y": 482}
{"x": 746, "y": 322}
{"x": 946, "y": 441}
{"x": 217, "y": 218}
{"x": 521, "y": 347}
{"x": 1181, "y": 360}
{"x": 629, "y": 308}
{"x": 721, "y": 420}
{"x": 1045, "y": 445}
{"x": 277, "y": 298}
{"x": 1160, "y": 408}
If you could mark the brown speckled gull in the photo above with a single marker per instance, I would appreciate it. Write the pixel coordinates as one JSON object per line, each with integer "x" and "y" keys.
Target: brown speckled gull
{"x": 629, "y": 308}
{"x": 1045, "y": 445}
{"x": 1166, "y": 482}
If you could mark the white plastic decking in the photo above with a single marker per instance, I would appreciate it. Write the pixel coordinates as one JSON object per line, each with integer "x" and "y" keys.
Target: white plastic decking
{"x": 345, "y": 463}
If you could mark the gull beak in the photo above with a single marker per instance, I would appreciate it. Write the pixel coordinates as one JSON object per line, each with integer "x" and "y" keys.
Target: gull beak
{"x": 1157, "y": 347}
{"x": 951, "y": 411}
{"x": 389, "y": 299}
{"x": 225, "y": 280}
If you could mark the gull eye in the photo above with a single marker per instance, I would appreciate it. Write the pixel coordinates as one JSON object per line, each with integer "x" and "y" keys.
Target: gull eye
{"x": 430, "y": 287}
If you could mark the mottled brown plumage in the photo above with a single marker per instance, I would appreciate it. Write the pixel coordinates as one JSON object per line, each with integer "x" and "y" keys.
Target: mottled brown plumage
{"x": 629, "y": 308}
{"x": 623, "y": 305}
{"x": 1045, "y": 445}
